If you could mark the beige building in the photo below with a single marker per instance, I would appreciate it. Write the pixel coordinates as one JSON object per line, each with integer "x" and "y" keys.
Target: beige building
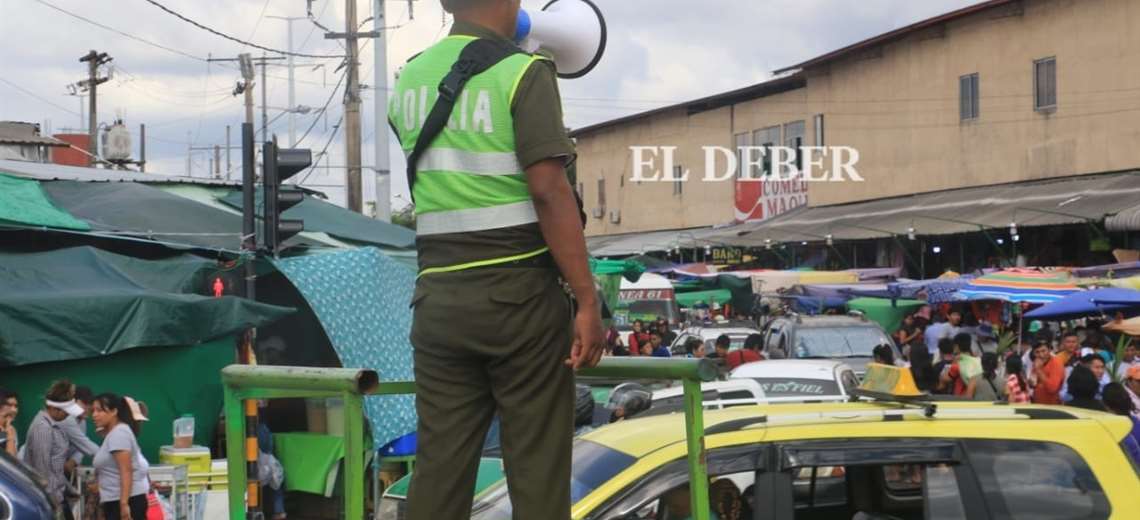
{"x": 1001, "y": 92}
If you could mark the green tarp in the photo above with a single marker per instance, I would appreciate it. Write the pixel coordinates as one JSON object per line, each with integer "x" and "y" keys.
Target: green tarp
{"x": 171, "y": 381}
{"x": 83, "y": 302}
{"x": 609, "y": 274}
{"x": 319, "y": 215}
{"x": 882, "y": 311}
{"x": 23, "y": 202}
{"x": 740, "y": 290}
{"x": 688, "y": 299}
{"x": 147, "y": 212}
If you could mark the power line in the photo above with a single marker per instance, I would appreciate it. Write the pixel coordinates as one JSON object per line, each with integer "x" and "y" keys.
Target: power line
{"x": 237, "y": 40}
{"x": 325, "y": 107}
{"x": 323, "y": 154}
{"x": 259, "y": 18}
{"x": 121, "y": 33}
{"x": 33, "y": 94}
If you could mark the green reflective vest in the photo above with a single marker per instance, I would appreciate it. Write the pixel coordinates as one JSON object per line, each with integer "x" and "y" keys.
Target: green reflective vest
{"x": 469, "y": 179}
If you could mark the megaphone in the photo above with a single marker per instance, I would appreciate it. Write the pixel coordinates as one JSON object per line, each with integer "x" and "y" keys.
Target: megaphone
{"x": 573, "y": 32}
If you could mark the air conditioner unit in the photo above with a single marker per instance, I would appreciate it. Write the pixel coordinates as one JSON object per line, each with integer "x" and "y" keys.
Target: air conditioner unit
{"x": 615, "y": 216}
{"x": 599, "y": 212}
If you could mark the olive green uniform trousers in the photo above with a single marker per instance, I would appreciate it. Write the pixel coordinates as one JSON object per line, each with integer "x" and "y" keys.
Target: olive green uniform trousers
{"x": 492, "y": 340}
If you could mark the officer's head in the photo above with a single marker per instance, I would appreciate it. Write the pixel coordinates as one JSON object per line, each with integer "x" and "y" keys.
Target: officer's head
{"x": 498, "y": 15}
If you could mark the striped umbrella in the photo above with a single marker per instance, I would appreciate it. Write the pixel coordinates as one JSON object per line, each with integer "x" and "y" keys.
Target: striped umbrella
{"x": 1020, "y": 285}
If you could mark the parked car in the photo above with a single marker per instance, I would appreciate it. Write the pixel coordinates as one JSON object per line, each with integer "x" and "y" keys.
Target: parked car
{"x": 800, "y": 380}
{"x": 22, "y": 494}
{"x": 708, "y": 335}
{"x": 847, "y": 338}
{"x": 715, "y": 395}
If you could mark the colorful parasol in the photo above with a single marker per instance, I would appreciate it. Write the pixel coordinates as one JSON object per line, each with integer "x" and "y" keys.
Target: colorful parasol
{"x": 1020, "y": 285}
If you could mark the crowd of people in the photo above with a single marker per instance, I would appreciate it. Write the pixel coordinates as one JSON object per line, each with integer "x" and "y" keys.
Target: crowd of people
{"x": 1076, "y": 367}
{"x": 56, "y": 443}
{"x": 655, "y": 338}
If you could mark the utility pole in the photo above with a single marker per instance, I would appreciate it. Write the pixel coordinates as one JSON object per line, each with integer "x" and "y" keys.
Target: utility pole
{"x": 383, "y": 174}
{"x": 264, "y": 109}
{"x": 228, "y": 152}
{"x": 352, "y": 105}
{"x": 142, "y": 147}
{"x": 292, "y": 88}
{"x": 189, "y": 154}
{"x": 218, "y": 161}
{"x": 93, "y": 60}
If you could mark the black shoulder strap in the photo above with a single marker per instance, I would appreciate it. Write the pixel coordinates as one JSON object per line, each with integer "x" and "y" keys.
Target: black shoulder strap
{"x": 476, "y": 57}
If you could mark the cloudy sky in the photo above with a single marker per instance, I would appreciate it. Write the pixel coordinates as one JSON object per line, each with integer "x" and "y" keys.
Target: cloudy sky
{"x": 660, "y": 52}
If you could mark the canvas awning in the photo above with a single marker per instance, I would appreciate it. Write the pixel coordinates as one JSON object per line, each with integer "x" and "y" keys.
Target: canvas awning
{"x": 637, "y": 243}
{"x": 1125, "y": 220}
{"x": 1072, "y": 200}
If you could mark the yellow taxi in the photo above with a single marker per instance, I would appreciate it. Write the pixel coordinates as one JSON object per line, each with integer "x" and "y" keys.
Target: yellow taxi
{"x": 858, "y": 460}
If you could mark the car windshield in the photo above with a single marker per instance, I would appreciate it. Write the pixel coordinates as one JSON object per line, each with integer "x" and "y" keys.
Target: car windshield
{"x": 593, "y": 465}
{"x": 646, "y": 310}
{"x": 797, "y": 387}
{"x": 837, "y": 342}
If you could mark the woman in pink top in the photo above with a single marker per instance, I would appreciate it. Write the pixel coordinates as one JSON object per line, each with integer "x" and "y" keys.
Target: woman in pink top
{"x": 1016, "y": 388}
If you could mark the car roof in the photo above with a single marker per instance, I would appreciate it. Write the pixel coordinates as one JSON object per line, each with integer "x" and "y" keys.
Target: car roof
{"x": 717, "y": 331}
{"x": 641, "y": 436}
{"x": 823, "y": 369}
{"x": 719, "y": 386}
{"x": 829, "y": 321}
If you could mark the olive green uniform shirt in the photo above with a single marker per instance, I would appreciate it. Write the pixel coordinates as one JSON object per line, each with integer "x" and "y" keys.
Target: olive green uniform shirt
{"x": 539, "y": 135}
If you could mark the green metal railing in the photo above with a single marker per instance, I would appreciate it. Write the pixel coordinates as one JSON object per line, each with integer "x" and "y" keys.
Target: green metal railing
{"x": 243, "y": 382}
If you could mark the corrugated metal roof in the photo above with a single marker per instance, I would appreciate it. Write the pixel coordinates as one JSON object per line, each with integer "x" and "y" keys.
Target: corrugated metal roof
{"x": 635, "y": 243}
{"x": 1071, "y": 200}
{"x": 58, "y": 172}
{"x": 16, "y": 132}
{"x": 1126, "y": 220}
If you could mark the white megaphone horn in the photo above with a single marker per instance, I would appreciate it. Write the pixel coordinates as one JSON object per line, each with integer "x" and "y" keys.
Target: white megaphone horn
{"x": 573, "y": 32}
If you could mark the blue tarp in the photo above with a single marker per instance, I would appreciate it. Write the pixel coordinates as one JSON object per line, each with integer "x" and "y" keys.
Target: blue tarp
{"x": 1089, "y": 303}
{"x": 815, "y": 304}
{"x": 361, "y": 297}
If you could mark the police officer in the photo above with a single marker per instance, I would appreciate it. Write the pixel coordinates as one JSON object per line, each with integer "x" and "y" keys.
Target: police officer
{"x": 498, "y": 232}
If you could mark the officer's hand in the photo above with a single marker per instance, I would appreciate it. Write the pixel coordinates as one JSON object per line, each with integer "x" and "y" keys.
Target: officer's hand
{"x": 589, "y": 338}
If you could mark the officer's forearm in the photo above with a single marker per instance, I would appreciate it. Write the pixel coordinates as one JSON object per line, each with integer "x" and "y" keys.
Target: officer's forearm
{"x": 561, "y": 227}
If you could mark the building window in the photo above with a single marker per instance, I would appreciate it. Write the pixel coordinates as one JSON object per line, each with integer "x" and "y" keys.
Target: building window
{"x": 740, "y": 141}
{"x": 1045, "y": 84}
{"x": 678, "y": 184}
{"x": 602, "y": 193}
{"x": 765, "y": 138}
{"x": 968, "y": 97}
{"x": 794, "y": 139}
{"x": 817, "y": 122}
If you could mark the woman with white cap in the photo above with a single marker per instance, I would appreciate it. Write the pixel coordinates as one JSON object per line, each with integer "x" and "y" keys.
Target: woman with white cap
{"x": 47, "y": 442}
{"x": 123, "y": 484}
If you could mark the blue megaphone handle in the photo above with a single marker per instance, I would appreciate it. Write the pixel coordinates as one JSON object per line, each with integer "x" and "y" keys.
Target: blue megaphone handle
{"x": 522, "y": 28}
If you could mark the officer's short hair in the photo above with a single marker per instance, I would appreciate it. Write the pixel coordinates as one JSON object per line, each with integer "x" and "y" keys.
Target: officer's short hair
{"x": 458, "y": 5}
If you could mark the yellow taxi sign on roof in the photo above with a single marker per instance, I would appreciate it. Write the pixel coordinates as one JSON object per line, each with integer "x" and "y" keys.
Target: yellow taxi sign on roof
{"x": 889, "y": 382}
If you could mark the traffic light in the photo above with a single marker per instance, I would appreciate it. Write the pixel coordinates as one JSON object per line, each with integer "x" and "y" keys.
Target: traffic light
{"x": 279, "y": 165}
